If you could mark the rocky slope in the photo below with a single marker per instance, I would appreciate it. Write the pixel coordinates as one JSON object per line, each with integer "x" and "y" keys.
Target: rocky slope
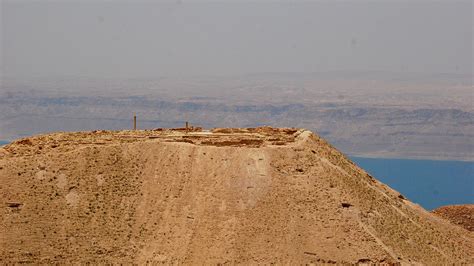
{"x": 462, "y": 215}
{"x": 228, "y": 196}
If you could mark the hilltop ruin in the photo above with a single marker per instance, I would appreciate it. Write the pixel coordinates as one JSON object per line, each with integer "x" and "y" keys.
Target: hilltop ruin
{"x": 258, "y": 195}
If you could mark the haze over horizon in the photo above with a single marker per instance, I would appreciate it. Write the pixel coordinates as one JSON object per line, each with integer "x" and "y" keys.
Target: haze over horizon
{"x": 193, "y": 38}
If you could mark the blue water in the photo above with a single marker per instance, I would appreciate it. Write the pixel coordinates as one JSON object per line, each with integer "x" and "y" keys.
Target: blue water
{"x": 428, "y": 183}
{"x": 3, "y": 142}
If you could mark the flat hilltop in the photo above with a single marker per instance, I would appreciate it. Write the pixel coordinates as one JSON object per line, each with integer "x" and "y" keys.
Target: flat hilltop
{"x": 236, "y": 137}
{"x": 192, "y": 196}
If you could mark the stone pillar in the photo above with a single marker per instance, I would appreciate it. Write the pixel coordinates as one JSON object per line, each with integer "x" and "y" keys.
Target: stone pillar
{"x": 134, "y": 122}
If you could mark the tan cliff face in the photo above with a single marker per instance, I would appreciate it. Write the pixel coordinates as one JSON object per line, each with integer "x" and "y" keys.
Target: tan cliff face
{"x": 260, "y": 195}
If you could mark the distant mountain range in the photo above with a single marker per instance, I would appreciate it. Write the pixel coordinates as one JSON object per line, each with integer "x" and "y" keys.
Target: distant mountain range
{"x": 365, "y": 114}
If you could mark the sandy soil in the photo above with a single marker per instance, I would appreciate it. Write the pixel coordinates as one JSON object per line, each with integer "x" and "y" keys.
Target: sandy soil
{"x": 226, "y": 196}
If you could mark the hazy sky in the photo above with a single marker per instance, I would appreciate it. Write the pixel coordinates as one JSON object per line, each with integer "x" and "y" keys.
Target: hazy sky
{"x": 150, "y": 39}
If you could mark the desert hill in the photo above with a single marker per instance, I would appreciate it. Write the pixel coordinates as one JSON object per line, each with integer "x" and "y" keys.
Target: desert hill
{"x": 462, "y": 215}
{"x": 260, "y": 195}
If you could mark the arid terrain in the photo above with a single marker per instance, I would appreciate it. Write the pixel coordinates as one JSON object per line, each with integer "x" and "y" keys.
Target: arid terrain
{"x": 255, "y": 195}
{"x": 462, "y": 215}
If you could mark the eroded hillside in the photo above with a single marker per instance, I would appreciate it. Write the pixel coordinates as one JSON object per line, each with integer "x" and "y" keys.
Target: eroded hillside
{"x": 462, "y": 215}
{"x": 227, "y": 196}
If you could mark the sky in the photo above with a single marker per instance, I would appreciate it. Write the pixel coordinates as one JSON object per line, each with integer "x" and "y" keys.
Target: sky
{"x": 193, "y": 38}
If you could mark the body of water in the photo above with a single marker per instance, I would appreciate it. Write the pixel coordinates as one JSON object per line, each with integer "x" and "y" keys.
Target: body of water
{"x": 429, "y": 183}
{"x": 3, "y": 142}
